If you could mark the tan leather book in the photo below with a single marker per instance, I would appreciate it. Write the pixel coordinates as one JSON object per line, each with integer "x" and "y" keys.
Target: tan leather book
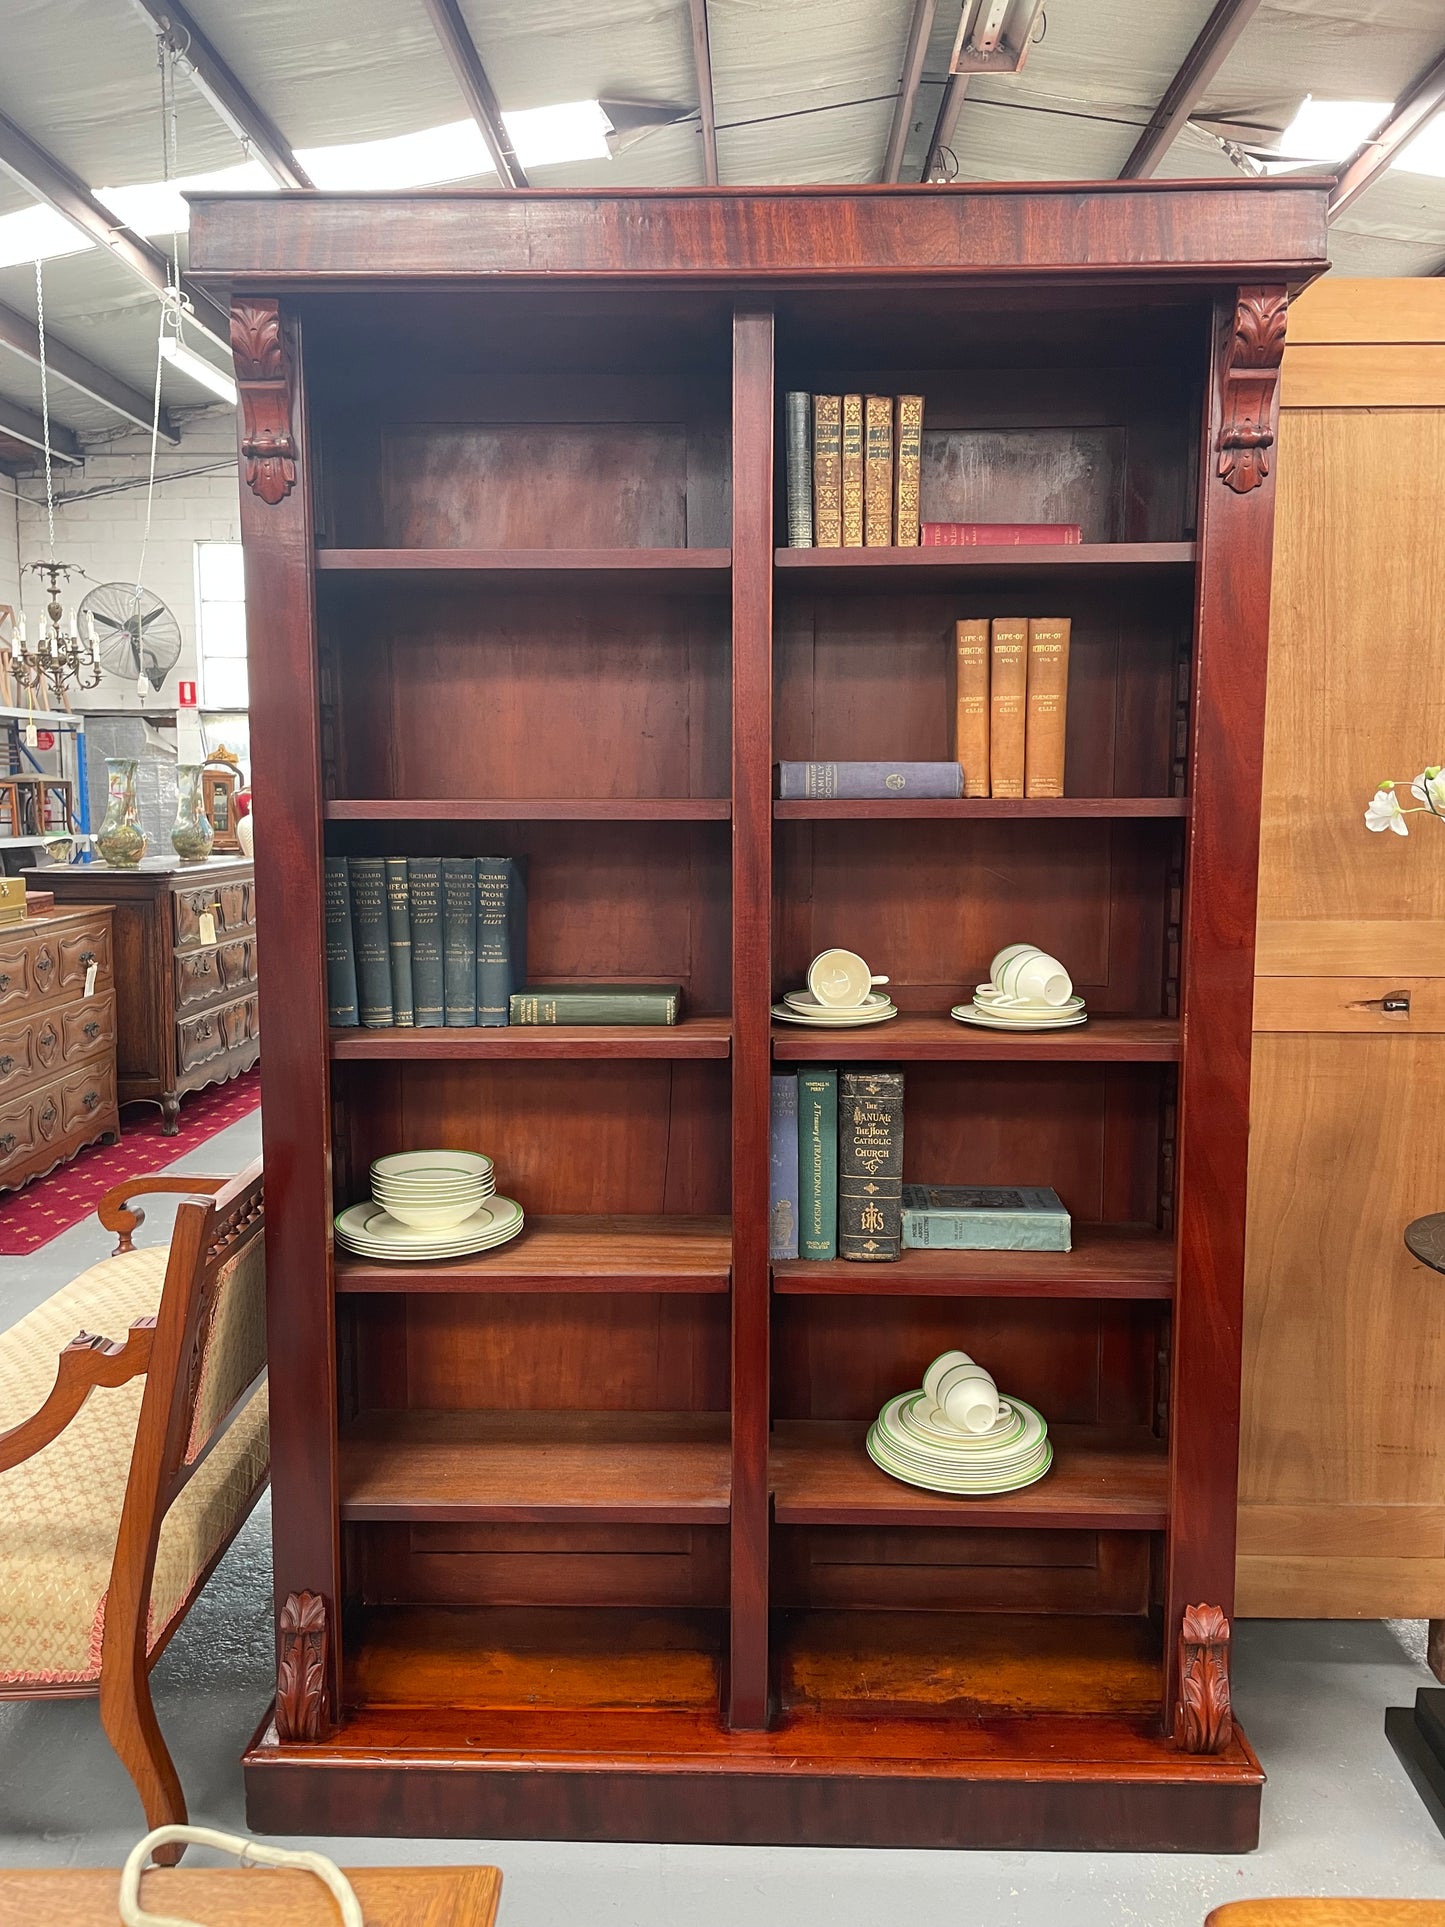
{"x": 852, "y": 471}
{"x": 1008, "y": 695}
{"x": 970, "y": 704}
{"x": 827, "y": 472}
{"x": 1048, "y": 705}
{"x": 878, "y": 472}
{"x": 908, "y": 460}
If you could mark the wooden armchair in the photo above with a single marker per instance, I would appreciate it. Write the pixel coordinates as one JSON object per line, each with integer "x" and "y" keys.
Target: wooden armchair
{"x": 115, "y": 1509}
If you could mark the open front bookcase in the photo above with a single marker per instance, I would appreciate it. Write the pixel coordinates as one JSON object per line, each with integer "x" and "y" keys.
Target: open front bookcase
{"x": 578, "y": 1538}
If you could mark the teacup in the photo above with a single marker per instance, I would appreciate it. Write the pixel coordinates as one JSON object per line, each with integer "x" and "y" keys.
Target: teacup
{"x": 969, "y": 1398}
{"x": 1029, "y": 975}
{"x": 841, "y": 979}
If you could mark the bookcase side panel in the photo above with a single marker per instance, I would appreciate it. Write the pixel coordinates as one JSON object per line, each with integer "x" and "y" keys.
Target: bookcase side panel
{"x": 276, "y": 530}
{"x": 1236, "y": 527}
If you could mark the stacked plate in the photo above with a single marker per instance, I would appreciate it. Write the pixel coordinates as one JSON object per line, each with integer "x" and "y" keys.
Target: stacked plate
{"x": 428, "y": 1205}
{"x": 996, "y": 1011}
{"x": 802, "y": 1007}
{"x": 915, "y": 1441}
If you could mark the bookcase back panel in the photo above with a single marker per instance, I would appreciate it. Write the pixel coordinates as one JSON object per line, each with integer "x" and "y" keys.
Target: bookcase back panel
{"x": 868, "y": 677}
{"x": 619, "y": 902}
{"x": 543, "y": 1565}
{"x": 1080, "y": 1363}
{"x": 931, "y": 903}
{"x": 448, "y": 691}
{"x": 977, "y": 1570}
{"x": 623, "y": 1136}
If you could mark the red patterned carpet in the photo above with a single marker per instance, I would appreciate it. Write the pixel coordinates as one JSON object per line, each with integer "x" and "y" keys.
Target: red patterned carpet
{"x": 50, "y": 1205}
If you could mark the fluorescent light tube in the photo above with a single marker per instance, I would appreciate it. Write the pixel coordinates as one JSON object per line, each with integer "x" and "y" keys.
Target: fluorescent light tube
{"x": 198, "y": 368}
{"x": 1331, "y": 130}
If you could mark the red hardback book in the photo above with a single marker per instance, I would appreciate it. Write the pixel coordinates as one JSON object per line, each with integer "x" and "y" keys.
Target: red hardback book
{"x": 969, "y": 535}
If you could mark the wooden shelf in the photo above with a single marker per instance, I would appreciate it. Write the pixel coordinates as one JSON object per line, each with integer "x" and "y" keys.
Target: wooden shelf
{"x": 1100, "y": 1481}
{"x": 693, "y": 1037}
{"x": 571, "y": 1254}
{"x": 870, "y": 569}
{"x": 1107, "y": 1261}
{"x": 963, "y": 808}
{"x": 910, "y": 1039}
{"x": 618, "y": 1468}
{"x": 693, "y": 570}
{"x": 529, "y": 809}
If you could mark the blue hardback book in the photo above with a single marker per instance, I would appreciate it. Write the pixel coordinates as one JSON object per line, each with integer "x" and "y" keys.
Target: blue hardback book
{"x": 984, "y": 1217}
{"x": 800, "y": 781}
{"x": 783, "y": 1170}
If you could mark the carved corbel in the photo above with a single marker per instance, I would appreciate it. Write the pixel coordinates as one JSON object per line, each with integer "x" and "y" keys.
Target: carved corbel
{"x": 268, "y": 446}
{"x": 1203, "y": 1722}
{"x": 301, "y": 1671}
{"x": 1250, "y": 386}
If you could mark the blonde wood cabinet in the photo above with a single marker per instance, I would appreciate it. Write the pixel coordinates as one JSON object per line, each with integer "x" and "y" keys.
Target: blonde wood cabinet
{"x": 1342, "y": 1474}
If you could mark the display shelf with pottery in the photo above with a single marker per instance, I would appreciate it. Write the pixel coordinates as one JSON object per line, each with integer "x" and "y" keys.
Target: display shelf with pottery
{"x": 1027, "y": 990}
{"x": 429, "y": 1205}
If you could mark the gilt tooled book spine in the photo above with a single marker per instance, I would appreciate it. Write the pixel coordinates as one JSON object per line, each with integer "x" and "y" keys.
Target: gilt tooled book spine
{"x": 398, "y": 920}
{"x": 818, "y": 1163}
{"x": 459, "y": 941}
{"x": 852, "y": 471}
{"x": 908, "y": 461}
{"x": 1008, "y": 694}
{"x": 827, "y": 471}
{"x": 501, "y": 936}
{"x": 798, "y": 422}
{"x": 424, "y": 905}
{"x": 783, "y": 1168}
{"x": 971, "y": 646}
{"x": 1048, "y": 705}
{"x": 340, "y": 948}
{"x": 373, "y": 941}
{"x": 870, "y": 1165}
{"x": 993, "y": 535}
{"x": 878, "y": 472}
{"x": 817, "y": 781}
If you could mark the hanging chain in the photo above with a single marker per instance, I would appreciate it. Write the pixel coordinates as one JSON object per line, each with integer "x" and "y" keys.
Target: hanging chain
{"x": 45, "y": 401}
{"x": 165, "y": 60}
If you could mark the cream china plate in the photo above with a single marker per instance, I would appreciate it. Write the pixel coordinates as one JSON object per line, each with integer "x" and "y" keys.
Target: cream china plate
{"x": 970, "y": 1014}
{"x": 370, "y": 1229}
{"x": 835, "y": 1020}
{"x": 992, "y": 995}
{"x": 804, "y": 1000}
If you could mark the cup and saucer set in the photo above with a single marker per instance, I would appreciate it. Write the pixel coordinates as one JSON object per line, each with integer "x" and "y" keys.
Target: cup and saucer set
{"x": 957, "y": 1436}
{"x": 1027, "y": 990}
{"x": 839, "y": 996}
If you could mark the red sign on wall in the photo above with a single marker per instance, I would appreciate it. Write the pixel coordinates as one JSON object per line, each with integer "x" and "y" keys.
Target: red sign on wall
{"x": 186, "y": 695}
{"x": 45, "y": 739}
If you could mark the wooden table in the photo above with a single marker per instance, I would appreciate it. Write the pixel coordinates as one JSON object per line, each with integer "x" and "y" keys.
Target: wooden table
{"x": 256, "y": 1897}
{"x": 1329, "y": 1913}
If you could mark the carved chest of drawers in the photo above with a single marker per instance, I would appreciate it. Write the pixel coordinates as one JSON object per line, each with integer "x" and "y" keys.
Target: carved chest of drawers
{"x": 185, "y": 948}
{"x": 57, "y": 1044}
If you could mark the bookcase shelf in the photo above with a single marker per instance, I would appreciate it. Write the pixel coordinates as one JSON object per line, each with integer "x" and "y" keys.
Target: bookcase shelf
{"x": 691, "y": 1037}
{"x": 964, "y": 809}
{"x": 910, "y": 1039}
{"x": 722, "y": 1622}
{"x": 578, "y": 1253}
{"x": 1101, "y": 1480}
{"x": 615, "y": 1468}
{"x": 1107, "y": 1261}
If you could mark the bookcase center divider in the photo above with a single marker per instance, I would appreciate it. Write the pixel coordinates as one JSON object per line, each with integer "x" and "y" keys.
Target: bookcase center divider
{"x": 586, "y": 1519}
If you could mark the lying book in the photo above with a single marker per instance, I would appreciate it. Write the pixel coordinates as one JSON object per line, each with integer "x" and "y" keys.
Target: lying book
{"x": 971, "y": 535}
{"x": 984, "y": 1217}
{"x": 800, "y": 780}
{"x": 597, "y": 1004}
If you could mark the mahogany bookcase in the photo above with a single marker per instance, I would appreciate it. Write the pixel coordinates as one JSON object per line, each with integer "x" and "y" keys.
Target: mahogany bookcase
{"x": 578, "y": 1538}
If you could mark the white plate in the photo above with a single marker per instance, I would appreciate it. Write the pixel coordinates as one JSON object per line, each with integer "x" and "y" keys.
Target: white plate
{"x": 372, "y": 1230}
{"x": 841, "y": 1020}
{"x": 433, "y": 1165}
{"x": 804, "y": 1000}
{"x": 990, "y": 994}
{"x": 968, "y": 1014}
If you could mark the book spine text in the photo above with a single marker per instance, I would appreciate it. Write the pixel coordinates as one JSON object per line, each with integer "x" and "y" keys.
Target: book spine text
{"x": 783, "y": 1170}
{"x": 373, "y": 941}
{"x": 908, "y": 459}
{"x": 798, "y": 426}
{"x": 1048, "y": 705}
{"x": 459, "y": 941}
{"x": 398, "y": 922}
{"x": 878, "y": 471}
{"x": 818, "y": 1163}
{"x": 1008, "y": 691}
{"x": 971, "y": 646}
{"x": 800, "y": 781}
{"x": 870, "y": 1164}
{"x": 340, "y": 948}
{"x": 828, "y": 471}
{"x": 594, "y": 1007}
{"x": 852, "y": 471}
{"x": 424, "y": 903}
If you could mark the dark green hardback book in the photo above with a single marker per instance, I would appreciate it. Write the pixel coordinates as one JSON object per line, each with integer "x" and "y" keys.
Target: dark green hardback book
{"x": 424, "y": 902}
{"x": 398, "y": 922}
{"x": 340, "y": 950}
{"x": 818, "y": 1163}
{"x": 870, "y": 1164}
{"x": 597, "y": 1004}
{"x": 501, "y": 935}
{"x": 372, "y": 937}
{"x": 459, "y": 941}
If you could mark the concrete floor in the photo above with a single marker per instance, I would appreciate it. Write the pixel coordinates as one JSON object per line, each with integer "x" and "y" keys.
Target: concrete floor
{"x": 1339, "y": 1815}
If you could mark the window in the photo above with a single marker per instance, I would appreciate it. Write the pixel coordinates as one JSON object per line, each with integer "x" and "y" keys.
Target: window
{"x": 221, "y": 625}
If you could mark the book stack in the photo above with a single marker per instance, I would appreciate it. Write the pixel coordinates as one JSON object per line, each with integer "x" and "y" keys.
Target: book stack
{"x": 853, "y": 470}
{"x": 837, "y": 1165}
{"x": 1011, "y": 692}
{"x": 424, "y": 941}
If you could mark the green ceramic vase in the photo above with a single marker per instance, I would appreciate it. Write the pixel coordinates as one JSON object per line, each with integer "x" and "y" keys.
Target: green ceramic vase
{"x": 191, "y": 833}
{"x": 120, "y": 838}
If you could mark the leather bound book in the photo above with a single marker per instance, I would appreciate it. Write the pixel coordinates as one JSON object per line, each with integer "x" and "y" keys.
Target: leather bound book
{"x": 1008, "y": 690}
{"x": 373, "y": 940}
{"x": 783, "y": 1168}
{"x": 810, "y": 781}
{"x": 1048, "y": 705}
{"x": 852, "y": 471}
{"x": 908, "y": 457}
{"x": 878, "y": 472}
{"x": 799, "y": 425}
{"x": 870, "y": 1165}
{"x": 817, "y": 1162}
{"x": 459, "y": 941}
{"x": 828, "y": 471}
{"x": 398, "y": 918}
{"x": 1008, "y": 535}
{"x": 971, "y": 646}
{"x": 501, "y": 936}
{"x": 340, "y": 952}
{"x": 424, "y": 905}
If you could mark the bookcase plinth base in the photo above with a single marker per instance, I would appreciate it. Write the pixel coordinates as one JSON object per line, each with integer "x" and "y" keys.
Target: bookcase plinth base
{"x": 1044, "y": 1783}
